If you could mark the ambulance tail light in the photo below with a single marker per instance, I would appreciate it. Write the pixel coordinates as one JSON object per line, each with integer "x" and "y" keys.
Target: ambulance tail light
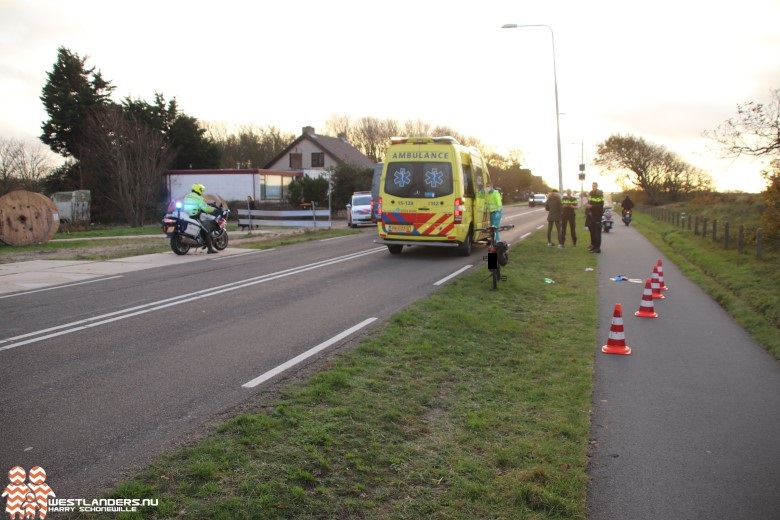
{"x": 458, "y": 213}
{"x": 379, "y": 209}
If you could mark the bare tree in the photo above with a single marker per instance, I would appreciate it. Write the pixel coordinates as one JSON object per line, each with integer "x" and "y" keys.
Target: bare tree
{"x": 653, "y": 169}
{"x": 22, "y": 166}
{"x": 755, "y": 131}
{"x": 129, "y": 158}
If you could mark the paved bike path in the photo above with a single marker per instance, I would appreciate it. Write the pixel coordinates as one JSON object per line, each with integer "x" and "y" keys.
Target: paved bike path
{"x": 688, "y": 425}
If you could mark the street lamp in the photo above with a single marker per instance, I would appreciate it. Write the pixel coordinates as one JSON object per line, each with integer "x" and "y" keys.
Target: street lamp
{"x": 555, "y": 77}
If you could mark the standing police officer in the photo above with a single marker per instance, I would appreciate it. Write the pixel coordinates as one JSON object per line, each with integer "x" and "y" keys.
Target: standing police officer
{"x": 595, "y": 207}
{"x": 570, "y": 204}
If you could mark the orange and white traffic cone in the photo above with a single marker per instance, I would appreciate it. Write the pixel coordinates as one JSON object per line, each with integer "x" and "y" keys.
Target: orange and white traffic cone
{"x": 655, "y": 285}
{"x": 660, "y": 266}
{"x": 646, "y": 309}
{"x": 616, "y": 343}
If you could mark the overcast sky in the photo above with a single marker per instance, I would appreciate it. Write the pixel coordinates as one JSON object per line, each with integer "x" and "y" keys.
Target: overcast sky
{"x": 666, "y": 71}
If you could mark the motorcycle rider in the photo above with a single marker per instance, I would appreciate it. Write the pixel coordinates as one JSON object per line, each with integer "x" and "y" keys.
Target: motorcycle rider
{"x": 627, "y": 204}
{"x": 194, "y": 204}
{"x": 595, "y": 207}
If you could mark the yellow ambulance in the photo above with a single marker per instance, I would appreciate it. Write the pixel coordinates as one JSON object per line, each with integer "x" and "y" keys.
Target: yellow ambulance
{"x": 432, "y": 193}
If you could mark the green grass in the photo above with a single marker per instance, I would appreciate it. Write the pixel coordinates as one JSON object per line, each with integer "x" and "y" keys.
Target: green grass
{"x": 743, "y": 285}
{"x": 472, "y": 403}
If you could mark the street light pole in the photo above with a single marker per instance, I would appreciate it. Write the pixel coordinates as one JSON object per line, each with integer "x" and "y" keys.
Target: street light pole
{"x": 555, "y": 78}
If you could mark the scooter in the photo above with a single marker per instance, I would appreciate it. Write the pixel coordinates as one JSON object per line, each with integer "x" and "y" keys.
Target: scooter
{"x": 185, "y": 231}
{"x": 626, "y": 217}
{"x": 606, "y": 220}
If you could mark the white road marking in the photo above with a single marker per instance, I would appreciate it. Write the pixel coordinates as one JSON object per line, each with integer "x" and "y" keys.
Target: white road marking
{"x": 453, "y": 275}
{"x": 95, "y": 321}
{"x": 58, "y": 287}
{"x": 297, "y": 359}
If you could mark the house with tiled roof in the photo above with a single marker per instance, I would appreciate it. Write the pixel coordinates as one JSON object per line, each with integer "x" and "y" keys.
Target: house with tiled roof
{"x": 313, "y": 154}
{"x": 310, "y": 154}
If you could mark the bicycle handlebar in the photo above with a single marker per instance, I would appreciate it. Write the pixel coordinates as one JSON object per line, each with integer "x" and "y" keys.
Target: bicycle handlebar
{"x": 500, "y": 228}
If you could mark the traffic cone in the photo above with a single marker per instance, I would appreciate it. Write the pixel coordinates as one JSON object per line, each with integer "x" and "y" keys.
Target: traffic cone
{"x": 616, "y": 343}
{"x": 660, "y": 266}
{"x": 655, "y": 285}
{"x": 646, "y": 309}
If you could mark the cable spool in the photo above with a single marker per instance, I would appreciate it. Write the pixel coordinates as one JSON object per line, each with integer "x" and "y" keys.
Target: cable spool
{"x": 27, "y": 218}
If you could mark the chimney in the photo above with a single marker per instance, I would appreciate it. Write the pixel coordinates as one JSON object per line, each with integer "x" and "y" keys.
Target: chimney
{"x": 308, "y": 130}
{"x": 343, "y": 136}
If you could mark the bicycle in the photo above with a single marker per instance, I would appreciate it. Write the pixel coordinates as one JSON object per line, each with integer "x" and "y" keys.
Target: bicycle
{"x": 493, "y": 261}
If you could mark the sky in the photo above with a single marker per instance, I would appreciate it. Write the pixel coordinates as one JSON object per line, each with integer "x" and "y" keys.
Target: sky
{"x": 666, "y": 71}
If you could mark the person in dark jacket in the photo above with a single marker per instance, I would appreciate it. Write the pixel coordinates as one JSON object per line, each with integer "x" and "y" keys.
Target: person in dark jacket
{"x": 595, "y": 207}
{"x": 554, "y": 207}
{"x": 626, "y": 204}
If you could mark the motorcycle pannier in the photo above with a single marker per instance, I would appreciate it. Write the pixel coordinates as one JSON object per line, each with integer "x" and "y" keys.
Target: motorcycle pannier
{"x": 191, "y": 227}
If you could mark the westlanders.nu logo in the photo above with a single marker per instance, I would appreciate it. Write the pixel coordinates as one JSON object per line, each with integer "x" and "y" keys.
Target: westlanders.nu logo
{"x": 27, "y": 499}
{"x": 35, "y": 499}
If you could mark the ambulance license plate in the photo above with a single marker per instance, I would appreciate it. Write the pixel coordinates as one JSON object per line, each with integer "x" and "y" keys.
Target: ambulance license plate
{"x": 399, "y": 228}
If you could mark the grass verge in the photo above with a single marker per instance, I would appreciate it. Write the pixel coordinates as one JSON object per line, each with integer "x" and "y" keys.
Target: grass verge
{"x": 472, "y": 403}
{"x": 744, "y": 286}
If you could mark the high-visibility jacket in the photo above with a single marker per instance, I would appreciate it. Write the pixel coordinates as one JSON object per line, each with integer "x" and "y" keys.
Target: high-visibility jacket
{"x": 569, "y": 204}
{"x": 596, "y": 201}
{"x": 193, "y": 204}
{"x": 494, "y": 201}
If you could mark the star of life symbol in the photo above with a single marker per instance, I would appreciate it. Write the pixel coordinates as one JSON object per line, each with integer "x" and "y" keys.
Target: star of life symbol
{"x": 402, "y": 177}
{"x": 434, "y": 178}
{"x": 27, "y": 500}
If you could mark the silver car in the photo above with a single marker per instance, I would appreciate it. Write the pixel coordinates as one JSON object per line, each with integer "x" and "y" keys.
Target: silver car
{"x": 359, "y": 209}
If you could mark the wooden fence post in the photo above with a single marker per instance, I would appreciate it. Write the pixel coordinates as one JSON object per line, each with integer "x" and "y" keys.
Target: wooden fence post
{"x": 715, "y": 230}
{"x": 741, "y": 238}
{"x": 704, "y": 227}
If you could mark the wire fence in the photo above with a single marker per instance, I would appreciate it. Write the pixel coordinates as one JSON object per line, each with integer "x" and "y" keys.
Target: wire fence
{"x": 744, "y": 238}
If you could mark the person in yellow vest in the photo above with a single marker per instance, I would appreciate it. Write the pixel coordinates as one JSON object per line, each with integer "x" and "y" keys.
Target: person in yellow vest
{"x": 194, "y": 204}
{"x": 570, "y": 204}
{"x": 495, "y": 206}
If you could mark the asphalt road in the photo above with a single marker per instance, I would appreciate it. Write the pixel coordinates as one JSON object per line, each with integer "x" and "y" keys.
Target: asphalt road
{"x": 98, "y": 378}
{"x": 686, "y": 427}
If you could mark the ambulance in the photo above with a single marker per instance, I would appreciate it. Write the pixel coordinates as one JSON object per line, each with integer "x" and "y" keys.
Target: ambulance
{"x": 432, "y": 193}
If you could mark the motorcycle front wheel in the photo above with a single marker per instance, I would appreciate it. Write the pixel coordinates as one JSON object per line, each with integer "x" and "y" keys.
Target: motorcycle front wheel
{"x": 179, "y": 247}
{"x": 220, "y": 240}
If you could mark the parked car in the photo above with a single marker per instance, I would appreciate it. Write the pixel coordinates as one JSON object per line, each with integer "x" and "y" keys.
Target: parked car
{"x": 537, "y": 199}
{"x": 359, "y": 209}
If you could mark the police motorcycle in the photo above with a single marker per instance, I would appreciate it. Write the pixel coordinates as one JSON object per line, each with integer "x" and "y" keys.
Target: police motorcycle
{"x": 626, "y": 217}
{"x": 185, "y": 231}
{"x": 606, "y": 219}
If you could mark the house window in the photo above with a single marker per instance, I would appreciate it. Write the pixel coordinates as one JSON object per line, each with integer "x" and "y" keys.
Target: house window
{"x": 296, "y": 161}
{"x": 317, "y": 159}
